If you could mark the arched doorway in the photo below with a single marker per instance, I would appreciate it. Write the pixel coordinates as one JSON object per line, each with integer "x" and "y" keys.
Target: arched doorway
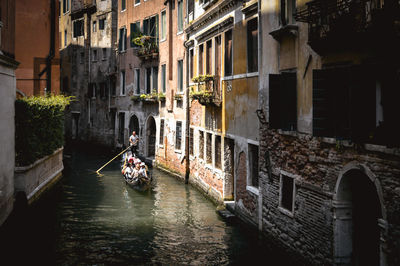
{"x": 134, "y": 125}
{"x": 151, "y": 136}
{"x": 359, "y": 218}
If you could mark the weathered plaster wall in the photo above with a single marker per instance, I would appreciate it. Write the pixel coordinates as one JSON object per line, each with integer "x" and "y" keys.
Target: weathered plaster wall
{"x": 7, "y": 135}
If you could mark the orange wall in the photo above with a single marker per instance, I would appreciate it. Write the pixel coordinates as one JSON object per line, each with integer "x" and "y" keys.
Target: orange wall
{"x": 32, "y": 40}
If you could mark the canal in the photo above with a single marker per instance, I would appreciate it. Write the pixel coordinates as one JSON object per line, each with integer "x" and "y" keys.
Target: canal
{"x": 97, "y": 220}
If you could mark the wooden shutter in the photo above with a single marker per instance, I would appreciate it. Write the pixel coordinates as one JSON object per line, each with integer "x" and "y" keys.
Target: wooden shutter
{"x": 321, "y": 122}
{"x": 121, "y": 33}
{"x": 274, "y": 100}
{"x": 288, "y": 102}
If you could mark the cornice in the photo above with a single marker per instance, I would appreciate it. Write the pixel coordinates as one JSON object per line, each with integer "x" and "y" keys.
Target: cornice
{"x": 217, "y": 28}
{"x": 211, "y": 14}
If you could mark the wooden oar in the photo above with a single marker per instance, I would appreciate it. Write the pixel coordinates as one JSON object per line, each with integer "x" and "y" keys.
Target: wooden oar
{"x": 98, "y": 171}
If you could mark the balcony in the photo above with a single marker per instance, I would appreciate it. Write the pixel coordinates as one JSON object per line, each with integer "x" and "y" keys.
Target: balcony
{"x": 208, "y": 90}
{"x": 147, "y": 47}
{"x": 343, "y": 24}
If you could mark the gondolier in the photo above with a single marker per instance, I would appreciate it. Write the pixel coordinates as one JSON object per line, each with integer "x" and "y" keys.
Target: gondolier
{"x": 134, "y": 140}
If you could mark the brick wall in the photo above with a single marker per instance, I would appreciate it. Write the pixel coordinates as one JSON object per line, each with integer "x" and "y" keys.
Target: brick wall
{"x": 318, "y": 164}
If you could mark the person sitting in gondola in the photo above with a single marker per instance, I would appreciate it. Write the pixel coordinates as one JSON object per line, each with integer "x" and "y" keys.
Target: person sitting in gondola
{"x": 127, "y": 170}
{"x": 142, "y": 171}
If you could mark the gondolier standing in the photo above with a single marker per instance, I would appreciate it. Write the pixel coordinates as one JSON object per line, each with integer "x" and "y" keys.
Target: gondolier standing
{"x": 133, "y": 140}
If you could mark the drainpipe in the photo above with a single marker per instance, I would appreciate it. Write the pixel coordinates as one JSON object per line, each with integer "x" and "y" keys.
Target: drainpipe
{"x": 51, "y": 50}
{"x": 260, "y": 35}
{"x": 187, "y": 166}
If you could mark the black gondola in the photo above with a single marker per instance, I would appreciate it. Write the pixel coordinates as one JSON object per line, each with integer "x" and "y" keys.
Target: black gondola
{"x": 139, "y": 183}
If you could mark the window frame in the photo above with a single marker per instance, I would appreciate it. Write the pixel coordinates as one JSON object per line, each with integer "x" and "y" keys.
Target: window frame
{"x": 180, "y": 135}
{"x": 250, "y": 179}
{"x": 161, "y": 132}
{"x": 179, "y": 21}
{"x": 250, "y": 43}
{"x": 163, "y": 26}
{"x": 122, "y": 83}
{"x": 282, "y": 208}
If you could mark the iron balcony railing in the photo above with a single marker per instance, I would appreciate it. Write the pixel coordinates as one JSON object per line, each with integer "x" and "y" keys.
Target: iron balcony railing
{"x": 334, "y": 16}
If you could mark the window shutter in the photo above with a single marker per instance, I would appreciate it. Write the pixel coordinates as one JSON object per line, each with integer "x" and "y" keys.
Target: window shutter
{"x": 157, "y": 27}
{"x": 321, "y": 123}
{"x": 145, "y": 27}
{"x": 288, "y": 101}
{"x": 274, "y": 100}
{"x": 132, "y": 34}
{"x": 120, "y": 39}
{"x": 125, "y": 30}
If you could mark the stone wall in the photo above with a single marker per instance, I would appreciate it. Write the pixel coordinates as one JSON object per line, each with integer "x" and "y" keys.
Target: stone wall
{"x": 33, "y": 179}
{"x": 317, "y": 164}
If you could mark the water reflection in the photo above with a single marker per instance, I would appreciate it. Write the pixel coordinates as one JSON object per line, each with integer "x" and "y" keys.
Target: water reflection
{"x": 99, "y": 220}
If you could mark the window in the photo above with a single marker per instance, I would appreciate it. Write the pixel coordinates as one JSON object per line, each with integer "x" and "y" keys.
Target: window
{"x": 178, "y": 136}
{"x": 155, "y": 79}
{"x": 217, "y": 153}
{"x": 163, "y": 78}
{"x": 163, "y": 25}
{"x": 252, "y": 45}
{"x": 94, "y": 54}
{"x": 228, "y": 53}
{"x": 59, "y": 8}
{"x": 180, "y": 75}
{"x": 137, "y": 2}
{"x": 150, "y": 27}
{"x": 123, "y": 5}
{"x": 122, "y": 40}
{"x": 191, "y": 56}
{"x": 201, "y": 144}
{"x": 208, "y": 57}
{"x": 78, "y": 28}
{"x": 102, "y": 24}
{"x": 122, "y": 82}
{"x": 288, "y": 8}
{"x": 92, "y": 90}
{"x": 137, "y": 80}
{"x": 148, "y": 80}
{"x": 180, "y": 16}
{"x": 66, "y": 6}
{"x": 94, "y": 26}
{"x": 65, "y": 38}
{"x": 65, "y": 84}
{"x": 253, "y": 165}
{"x": 121, "y": 127}
{"x": 208, "y": 148}
{"x": 283, "y": 101}
{"x": 191, "y": 141}
{"x": 287, "y": 191}
{"x": 190, "y": 9}
{"x": 161, "y": 140}
{"x": 135, "y": 32}
{"x": 104, "y": 53}
{"x": 349, "y": 102}
{"x": 201, "y": 48}
{"x": 82, "y": 57}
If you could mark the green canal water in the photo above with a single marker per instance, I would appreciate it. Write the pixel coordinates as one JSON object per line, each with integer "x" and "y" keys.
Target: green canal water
{"x": 98, "y": 220}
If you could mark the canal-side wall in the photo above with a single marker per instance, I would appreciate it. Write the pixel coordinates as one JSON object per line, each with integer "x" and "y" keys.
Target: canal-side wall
{"x": 7, "y": 135}
{"x": 37, "y": 177}
{"x": 314, "y": 227}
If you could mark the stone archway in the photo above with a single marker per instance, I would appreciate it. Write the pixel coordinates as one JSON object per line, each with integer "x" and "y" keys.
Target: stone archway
{"x": 151, "y": 137}
{"x": 360, "y": 218}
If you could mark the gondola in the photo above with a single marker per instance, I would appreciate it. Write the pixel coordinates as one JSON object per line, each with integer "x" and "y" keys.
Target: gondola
{"x": 138, "y": 183}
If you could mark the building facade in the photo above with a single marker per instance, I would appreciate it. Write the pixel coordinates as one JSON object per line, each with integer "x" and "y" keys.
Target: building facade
{"x": 329, "y": 148}
{"x": 36, "y": 42}
{"x": 88, "y": 69}
{"x": 150, "y": 73}
{"x": 7, "y": 109}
